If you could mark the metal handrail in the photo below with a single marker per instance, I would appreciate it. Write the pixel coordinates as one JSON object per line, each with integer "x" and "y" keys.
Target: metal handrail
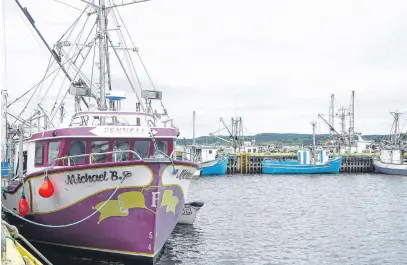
{"x": 90, "y": 155}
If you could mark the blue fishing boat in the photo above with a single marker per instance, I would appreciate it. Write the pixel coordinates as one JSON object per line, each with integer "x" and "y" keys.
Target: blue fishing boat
{"x": 211, "y": 163}
{"x": 215, "y": 167}
{"x": 311, "y": 161}
{"x": 304, "y": 164}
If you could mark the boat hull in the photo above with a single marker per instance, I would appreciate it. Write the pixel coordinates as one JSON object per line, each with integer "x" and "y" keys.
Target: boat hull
{"x": 135, "y": 222}
{"x": 216, "y": 167}
{"x": 294, "y": 167}
{"x": 390, "y": 169}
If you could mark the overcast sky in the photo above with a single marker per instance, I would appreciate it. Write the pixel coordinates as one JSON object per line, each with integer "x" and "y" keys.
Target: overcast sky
{"x": 274, "y": 63}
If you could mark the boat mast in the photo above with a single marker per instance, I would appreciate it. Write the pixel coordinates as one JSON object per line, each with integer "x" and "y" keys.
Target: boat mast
{"x": 395, "y": 136}
{"x": 314, "y": 125}
{"x": 332, "y": 114}
{"x": 102, "y": 53}
{"x": 351, "y": 120}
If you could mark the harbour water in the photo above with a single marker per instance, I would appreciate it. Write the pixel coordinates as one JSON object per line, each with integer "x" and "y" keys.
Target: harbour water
{"x": 260, "y": 219}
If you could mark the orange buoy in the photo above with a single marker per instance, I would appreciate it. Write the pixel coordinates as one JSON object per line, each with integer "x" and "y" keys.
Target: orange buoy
{"x": 23, "y": 206}
{"x": 46, "y": 189}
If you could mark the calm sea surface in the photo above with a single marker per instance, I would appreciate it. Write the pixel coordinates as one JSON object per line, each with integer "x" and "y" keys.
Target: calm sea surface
{"x": 259, "y": 219}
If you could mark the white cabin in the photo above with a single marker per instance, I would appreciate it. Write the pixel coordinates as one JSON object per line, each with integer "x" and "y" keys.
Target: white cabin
{"x": 391, "y": 157}
{"x": 305, "y": 156}
{"x": 201, "y": 153}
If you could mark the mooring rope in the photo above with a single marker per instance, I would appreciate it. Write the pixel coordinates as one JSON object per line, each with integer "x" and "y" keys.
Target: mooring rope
{"x": 71, "y": 224}
{"x": 16, "y": 235}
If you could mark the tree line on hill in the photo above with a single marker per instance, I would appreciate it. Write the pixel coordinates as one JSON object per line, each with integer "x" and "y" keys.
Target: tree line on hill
{"x": 273, "y": 138}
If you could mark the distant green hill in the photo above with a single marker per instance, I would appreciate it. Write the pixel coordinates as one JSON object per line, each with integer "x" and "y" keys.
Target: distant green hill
{"x": 268, "y": 138}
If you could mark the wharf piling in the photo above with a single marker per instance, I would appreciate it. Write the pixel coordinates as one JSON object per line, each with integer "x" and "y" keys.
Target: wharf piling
{"x": 245, "y": 163}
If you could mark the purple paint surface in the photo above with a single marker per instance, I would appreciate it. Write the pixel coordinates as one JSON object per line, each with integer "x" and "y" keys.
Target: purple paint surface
{"x": 141, "y": 232}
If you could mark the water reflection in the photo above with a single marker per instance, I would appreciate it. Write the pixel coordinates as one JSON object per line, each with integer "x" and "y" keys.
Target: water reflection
{"x": 186, "y": 240}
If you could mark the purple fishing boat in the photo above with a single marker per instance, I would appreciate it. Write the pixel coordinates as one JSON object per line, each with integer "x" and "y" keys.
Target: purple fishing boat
{"x": 107, "y": 181}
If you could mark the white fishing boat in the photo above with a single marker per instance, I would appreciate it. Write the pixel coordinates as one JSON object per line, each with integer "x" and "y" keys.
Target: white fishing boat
{"x": 392, "y": 160}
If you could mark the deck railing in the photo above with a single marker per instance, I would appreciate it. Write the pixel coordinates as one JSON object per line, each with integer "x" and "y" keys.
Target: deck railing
{"x": 91, "y": 156}
{"x": 69, "y": 160}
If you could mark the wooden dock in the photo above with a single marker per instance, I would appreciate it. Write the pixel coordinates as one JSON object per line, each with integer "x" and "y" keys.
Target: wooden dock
{"x": 244, "y": 163}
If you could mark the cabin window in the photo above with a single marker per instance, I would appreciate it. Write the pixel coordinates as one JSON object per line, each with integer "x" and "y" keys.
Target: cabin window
{"x": 121, "y": 146}
{"x": 77, "y": 148}
{"x": 210, "y": 151}
{"x": 142, "y": 148}
{"x": 249, "y": 150}
{"x": 53, "y": 150}
{"x": 137, "y": 121}
{"x": 99, "y": 147}
{"x": 39, "y": 154}
{"x": 162, "y": 146}
{"x": 254, "y": 150}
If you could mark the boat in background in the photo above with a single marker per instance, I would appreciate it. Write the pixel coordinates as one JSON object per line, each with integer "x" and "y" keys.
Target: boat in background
{"x": 308, "y": 162}
{"x": 208, "y": 156}
{"x": 211, "y": 162}
{"x": 189, "y": 212}
{"x": 392, "y": 160}
{"x": 311, "y": 161}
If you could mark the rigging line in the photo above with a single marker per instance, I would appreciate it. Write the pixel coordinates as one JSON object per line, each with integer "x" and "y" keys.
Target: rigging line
{"x": 68, "y": 5}
{"x": 129, "y": 62}
{"x": 80, "y": 35}
{"x": 53, "y": 71}
{"x": 71, "y": 81}
{"x": 59, "y": 93}
{"x": 93, "y": 67}
{"x": 125, "y": 4}
{"x": 30, "y": 29}
{"x": 79, "y": 52}
{"x": 74, "y": 24}
{"x": 50, "y": 63}
{"x": 3, "y": 5}
{"x": 139, "y": 56}
{"x": 68, "y": 68}
{"x": 127, "y": 75}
